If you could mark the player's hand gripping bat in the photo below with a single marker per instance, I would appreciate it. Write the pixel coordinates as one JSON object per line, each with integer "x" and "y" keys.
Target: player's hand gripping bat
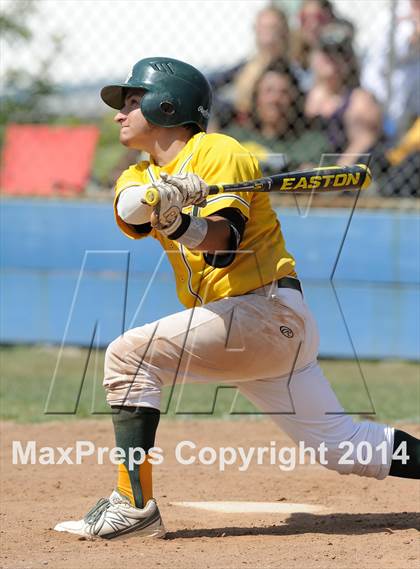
{"x": 318, "y": 180}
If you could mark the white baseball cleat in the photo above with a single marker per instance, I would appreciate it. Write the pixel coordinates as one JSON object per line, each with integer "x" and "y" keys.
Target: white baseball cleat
{"x": 114, "y": 517}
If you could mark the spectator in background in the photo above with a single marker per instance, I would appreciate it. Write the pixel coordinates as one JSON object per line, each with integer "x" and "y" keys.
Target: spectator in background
{"x": 272, "y": 43}
{"x": 336, "y": 93}
{"x": 313, "y": 17}
{"x": 391, "y": 69}
{"x": 363, "y": 131}
{"x": 396, "y": 170}
{"x": 276, "y": 131}
{"x": 403, "y": 166}
{"x": 272, "y": 39}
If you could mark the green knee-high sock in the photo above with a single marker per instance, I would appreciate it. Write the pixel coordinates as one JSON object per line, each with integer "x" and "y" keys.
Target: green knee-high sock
{"x": 135, "y": 427}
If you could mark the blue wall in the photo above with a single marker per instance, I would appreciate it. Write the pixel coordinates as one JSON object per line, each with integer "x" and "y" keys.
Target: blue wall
{"x": 64, "y": 267}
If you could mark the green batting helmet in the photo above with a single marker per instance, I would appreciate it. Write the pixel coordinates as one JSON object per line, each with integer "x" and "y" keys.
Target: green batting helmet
{"x": 176, "y": 93}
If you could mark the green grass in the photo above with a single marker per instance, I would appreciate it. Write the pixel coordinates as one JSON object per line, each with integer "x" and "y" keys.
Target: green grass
{"x": 27, "y": 373}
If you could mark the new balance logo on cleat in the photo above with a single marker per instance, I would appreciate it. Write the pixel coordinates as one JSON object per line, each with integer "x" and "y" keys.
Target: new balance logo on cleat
{"x": 117, "y": 521}
{"x": 114, "y": 517}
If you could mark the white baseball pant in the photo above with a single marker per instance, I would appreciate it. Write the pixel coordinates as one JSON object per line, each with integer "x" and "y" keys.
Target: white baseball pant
{"x": 266, "y": 344}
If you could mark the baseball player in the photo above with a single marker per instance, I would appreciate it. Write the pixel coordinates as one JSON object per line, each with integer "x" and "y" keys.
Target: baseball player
{"x": 245, "y": 321}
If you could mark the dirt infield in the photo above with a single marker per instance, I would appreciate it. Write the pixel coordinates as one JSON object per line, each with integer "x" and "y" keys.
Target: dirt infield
{"x": 361, "y": 522}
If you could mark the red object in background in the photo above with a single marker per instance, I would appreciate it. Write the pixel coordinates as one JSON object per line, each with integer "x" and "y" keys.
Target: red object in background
{"x": 47, "y": 160}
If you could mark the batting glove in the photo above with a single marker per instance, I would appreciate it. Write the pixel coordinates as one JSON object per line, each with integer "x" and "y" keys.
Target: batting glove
{"x": 175, "y": 193}
{"x": 193, "y": 189}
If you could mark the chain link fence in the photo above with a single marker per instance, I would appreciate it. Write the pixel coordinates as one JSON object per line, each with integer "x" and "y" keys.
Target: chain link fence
{"x": 298, "y": 82}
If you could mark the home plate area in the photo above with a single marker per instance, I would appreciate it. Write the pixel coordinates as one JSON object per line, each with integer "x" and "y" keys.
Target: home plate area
{"x": 263, "y": 518}
{"x": 251, "y": 507}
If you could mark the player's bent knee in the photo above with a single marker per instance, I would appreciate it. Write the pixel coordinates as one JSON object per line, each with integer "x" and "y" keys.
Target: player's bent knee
{"x": 112, "y": 350}
{"x": 126, "y": 351}
{"x": 126, "y": 379}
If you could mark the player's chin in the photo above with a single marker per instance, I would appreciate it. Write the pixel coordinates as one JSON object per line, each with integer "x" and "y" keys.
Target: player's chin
{"x": 126, "y": 139}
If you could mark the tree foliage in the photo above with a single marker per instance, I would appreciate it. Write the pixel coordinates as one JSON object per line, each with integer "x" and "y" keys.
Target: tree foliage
{"x": 24, "y": 91}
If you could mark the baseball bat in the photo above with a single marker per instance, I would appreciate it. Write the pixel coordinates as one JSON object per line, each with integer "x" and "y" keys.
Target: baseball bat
{"x": 319, "y": 180}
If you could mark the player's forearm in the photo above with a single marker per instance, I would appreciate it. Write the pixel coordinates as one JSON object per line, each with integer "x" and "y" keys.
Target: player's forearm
{"x": 208, "y": 234}
{"x": 217, "y": 237}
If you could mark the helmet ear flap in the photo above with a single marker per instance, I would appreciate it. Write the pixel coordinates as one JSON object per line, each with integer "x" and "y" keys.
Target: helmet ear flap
{"x": 167, "y": 108}
{"x": 160, "y": 108}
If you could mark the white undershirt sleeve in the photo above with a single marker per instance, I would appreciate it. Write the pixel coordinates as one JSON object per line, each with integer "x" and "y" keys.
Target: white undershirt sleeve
{"x": 130, "y": 208}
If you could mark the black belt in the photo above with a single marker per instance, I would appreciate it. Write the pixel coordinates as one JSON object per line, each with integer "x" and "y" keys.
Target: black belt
{"x": 289, "y": 282}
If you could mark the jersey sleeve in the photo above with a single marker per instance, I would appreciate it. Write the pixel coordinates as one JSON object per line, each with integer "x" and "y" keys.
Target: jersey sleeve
{"x": 222, "y": 160}
{"x": 131, "y": 177}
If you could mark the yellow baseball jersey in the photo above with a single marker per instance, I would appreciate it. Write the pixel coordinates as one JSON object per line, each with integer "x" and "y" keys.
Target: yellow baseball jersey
{"x": 262, "y": 256}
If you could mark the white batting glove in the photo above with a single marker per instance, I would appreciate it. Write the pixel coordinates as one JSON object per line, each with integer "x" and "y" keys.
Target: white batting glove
{"x": 193, "y": 189}
{"x": 166, "y": 215}
{"x": 176, "y": 192}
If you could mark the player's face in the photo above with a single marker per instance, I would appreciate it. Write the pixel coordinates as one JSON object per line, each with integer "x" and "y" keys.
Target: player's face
{"x": 135, "y": 130}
